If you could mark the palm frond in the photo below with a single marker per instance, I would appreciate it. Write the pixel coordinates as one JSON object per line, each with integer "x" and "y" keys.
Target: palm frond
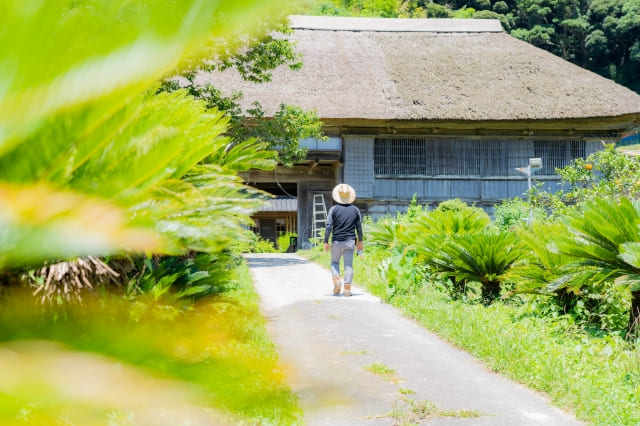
{"x": 59, "y": 55}
{"x": 597, "y": 235}
{"x": 482, "y": 257}
{"x": 39, "y": 223}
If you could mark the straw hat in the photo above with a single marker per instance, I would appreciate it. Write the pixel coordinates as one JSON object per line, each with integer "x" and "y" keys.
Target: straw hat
{"x": 344, "y": 194}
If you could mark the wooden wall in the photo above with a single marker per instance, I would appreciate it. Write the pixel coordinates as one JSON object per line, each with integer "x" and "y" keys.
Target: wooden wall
{"x": 380, "y": 195}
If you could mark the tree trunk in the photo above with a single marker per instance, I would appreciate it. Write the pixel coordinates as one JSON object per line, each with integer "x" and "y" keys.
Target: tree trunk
{"x": 633, "y": 329}
{"x": 490, "y": 291}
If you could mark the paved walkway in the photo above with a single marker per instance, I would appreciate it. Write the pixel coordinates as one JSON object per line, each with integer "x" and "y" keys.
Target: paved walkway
{"x": 327, "y": 341}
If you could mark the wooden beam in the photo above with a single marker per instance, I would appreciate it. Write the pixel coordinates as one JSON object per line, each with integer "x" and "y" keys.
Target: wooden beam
{"x": 319, "y": 173}
{"x": 375, "y": 127}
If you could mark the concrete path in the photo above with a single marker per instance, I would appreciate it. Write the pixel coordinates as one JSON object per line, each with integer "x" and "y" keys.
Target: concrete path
{"x": 328, "y": 341}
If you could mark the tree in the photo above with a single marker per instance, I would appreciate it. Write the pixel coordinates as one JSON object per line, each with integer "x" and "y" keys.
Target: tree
{"x": 254, "y": 59}
{"x": 607, "y": 173}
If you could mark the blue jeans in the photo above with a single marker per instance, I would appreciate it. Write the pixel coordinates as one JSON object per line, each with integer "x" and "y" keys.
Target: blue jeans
{"x": 344, "y": 249}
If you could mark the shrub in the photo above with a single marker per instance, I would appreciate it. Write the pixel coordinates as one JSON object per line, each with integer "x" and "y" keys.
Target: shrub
{"x": 601, "y": 237}
{"x": 482, "y": 257}
{"x": 597, "y": 304}
{"x": 192, "y": 276}
{"x": 515, "y": 211}
{"x": 284, "y": 241}
{"x": 607, "y": 173}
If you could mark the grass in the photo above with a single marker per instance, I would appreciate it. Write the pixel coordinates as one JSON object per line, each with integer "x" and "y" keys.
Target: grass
{"x": 212, "y": 360}
{"x": 383, "y": 371}
{"x": 407, "y": 411}
{"x": 597, "y": 377}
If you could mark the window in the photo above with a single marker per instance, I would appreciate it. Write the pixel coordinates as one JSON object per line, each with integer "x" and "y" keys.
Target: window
{"x": 557, "y": 154}
{"x": 470, "y": 157}
{"x": 399, "y": 156}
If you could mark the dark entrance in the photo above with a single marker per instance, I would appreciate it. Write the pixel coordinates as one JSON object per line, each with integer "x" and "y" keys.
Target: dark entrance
{"x": 268, "y": 229}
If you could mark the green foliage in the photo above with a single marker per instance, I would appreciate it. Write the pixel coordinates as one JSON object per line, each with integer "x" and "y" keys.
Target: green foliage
{"x": 412, "y": 241}
{"x": 147, "y": 169}
{"x": 284, "y": 130}
{"x": 477, "y": 257}
{"x": 255, "y": 244}
{"x": 92, "y": 125}
{"x": 455, "y": 205}
{"x": 280, "y": 134}
{"x": 596, "y": 304}
{"x": 515, "y": 211}
{"x": 100, "y": 72}
{"x": 596, "y": 232}
{"x": 384, "y": 233}
{"x": 595, "y": 374}
{"x": 254, "y": 58}
{"x": 402, "y": 272}
{"x": 209, "y": 361}
{"x": 169, "y": 278}
{"x": 430, "y": 228}
{"x": 608, "y": 173}
{"x": 542, "y": 264}
{"x": 435, "y": 10}
{"x": 94, "y": 159}
{"x": 601, "y": 238}
{"x": 464, "y": 13}
{"x": 283, "y": 241}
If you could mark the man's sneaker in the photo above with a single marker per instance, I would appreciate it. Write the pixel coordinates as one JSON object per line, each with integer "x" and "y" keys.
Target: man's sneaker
{"x": 347, "y": 290}
{"x": 337, "y": 285}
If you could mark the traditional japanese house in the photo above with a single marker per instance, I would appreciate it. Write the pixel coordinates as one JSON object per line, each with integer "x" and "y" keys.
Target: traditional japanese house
{"x": 431, "y": 108}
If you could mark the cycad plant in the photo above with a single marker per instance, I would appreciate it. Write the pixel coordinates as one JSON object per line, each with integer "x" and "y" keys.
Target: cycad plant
{"x": 192, "y": 276}
{"x": 540, "y": 265}
{"x": 94, "y": 161}
{"x": 384, "y": 233}
{"x": 603, "y": 238}
{"x": 483, "y": 257}
{"x": 430, "y": 229}
{"x": 426, "y": 233}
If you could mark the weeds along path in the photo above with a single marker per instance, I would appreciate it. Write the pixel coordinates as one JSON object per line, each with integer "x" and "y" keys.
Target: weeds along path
{"x": 358, "y": 361}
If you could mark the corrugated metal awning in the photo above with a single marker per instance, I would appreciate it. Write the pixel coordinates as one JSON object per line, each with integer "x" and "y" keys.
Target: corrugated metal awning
{"x": 281, "y": 204}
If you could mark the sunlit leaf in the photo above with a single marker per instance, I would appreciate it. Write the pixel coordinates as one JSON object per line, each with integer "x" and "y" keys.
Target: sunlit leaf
{"x": 38, "y": 223}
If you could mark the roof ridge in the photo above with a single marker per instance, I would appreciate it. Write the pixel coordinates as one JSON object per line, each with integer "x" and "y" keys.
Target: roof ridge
{"x": 339, "y": 23}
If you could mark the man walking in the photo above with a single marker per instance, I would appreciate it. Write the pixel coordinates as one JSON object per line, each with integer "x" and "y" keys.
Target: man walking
{"x": 344, "y": 222}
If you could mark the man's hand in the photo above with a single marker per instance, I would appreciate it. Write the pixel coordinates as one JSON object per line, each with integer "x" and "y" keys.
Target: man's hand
{"x": 359, "y": 245}
{"x": 326, "y": 246}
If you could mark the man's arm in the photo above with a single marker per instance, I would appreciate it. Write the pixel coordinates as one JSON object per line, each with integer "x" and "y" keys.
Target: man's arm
{"x": 327, "y": 229}
{"x": 359, "y": 230}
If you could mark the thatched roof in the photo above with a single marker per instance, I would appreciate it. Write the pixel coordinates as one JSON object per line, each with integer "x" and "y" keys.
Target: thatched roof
{"x": 430, "y": 69}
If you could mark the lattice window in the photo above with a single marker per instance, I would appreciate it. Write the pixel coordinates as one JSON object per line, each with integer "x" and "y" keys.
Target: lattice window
{"x": 470, "y": 157}
{"x": 399, "y": 156}
{"x": 557, "y": 154}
